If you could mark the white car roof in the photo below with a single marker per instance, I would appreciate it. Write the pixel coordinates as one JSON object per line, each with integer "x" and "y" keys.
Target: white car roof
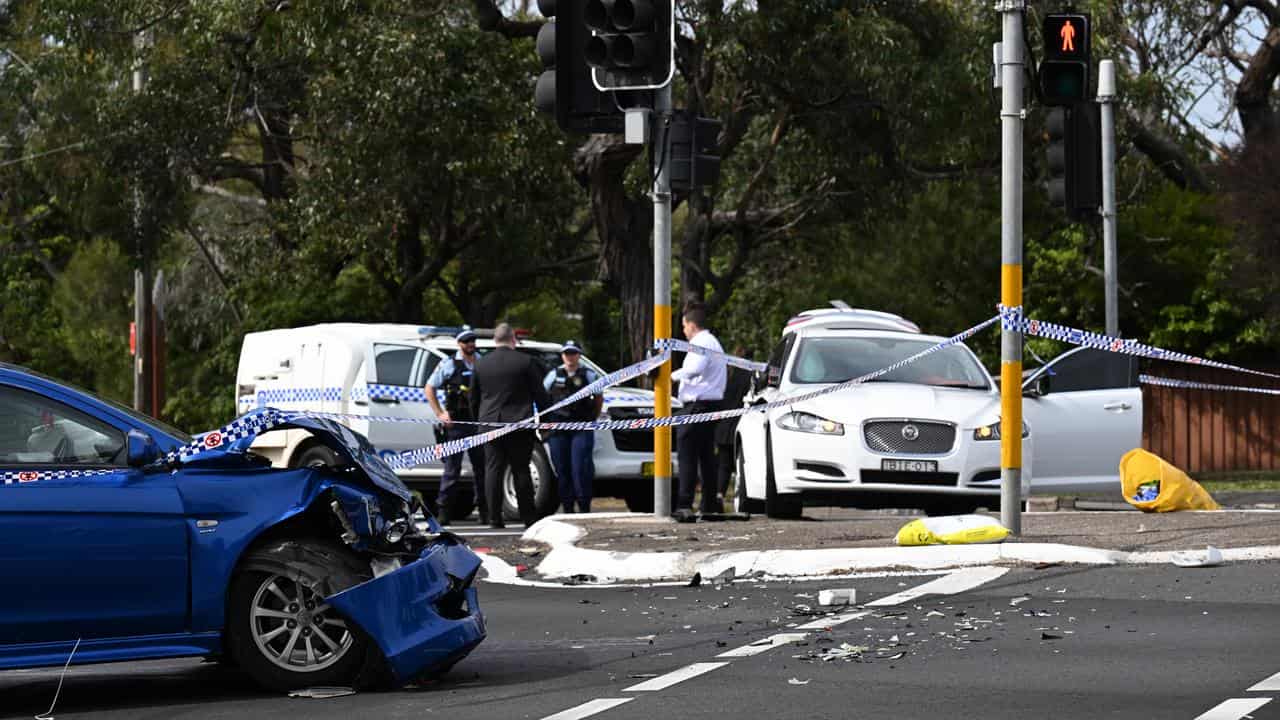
{"x": 847, "y": 318}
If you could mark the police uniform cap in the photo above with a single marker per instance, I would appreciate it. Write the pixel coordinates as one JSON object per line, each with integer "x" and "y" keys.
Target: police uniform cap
{"x": 466, "y": 335}
{"x": 570, "y": 347}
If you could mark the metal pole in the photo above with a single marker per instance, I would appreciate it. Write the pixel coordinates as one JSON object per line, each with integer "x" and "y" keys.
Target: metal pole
{"x": 661, "y": 137}
{"x": 1011, "y": 117}
{"x": 142, "y": 279}
{"x": 1106, "y": 99}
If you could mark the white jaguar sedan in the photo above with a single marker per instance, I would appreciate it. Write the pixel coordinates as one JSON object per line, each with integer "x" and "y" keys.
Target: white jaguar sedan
{"x": 926, "y": 435}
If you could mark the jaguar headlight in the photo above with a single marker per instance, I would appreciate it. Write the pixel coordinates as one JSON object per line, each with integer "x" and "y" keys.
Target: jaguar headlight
{"x": 992, "y": 431}
{"x": 809, "y": 423}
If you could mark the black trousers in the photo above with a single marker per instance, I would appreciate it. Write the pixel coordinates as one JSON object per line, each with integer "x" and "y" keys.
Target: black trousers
{"x": 696, "y": 451}
{"x": 447, "y": 498}
{"x": 512, "y": 450}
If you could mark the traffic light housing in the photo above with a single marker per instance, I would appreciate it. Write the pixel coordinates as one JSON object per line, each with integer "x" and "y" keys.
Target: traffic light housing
{"x": 1074, "y": 159}
{"x": 1064, "y": 72}
{"x": 695, "y": 151}
{"x": 564, "y": 89}
{"x": 629, "y": 43}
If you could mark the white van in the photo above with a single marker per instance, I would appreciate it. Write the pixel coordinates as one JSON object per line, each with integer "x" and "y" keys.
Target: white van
{"x": 381, "y": 370}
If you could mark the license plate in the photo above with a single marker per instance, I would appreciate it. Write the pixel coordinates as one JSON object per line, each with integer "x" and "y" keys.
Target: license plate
{"x": 910, "y": 465}
{"x": 646, "y": 469}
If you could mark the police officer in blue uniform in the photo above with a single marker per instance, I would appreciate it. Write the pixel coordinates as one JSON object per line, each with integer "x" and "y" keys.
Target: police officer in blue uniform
{"x": 453, "y": 376}
{"x": 571, "y": 449}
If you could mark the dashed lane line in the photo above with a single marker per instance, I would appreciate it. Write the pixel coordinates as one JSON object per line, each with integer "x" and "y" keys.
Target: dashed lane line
{"x": 589, "y": 708}
{"x": 1234, "y": 709}
{"x": 1271, "y": 683}
{"x": 950, "y": 584}
{"x": 662, "y": 682}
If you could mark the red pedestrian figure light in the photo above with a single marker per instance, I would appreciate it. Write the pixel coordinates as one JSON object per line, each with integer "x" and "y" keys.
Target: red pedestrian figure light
{"x": 1068, "y": 34}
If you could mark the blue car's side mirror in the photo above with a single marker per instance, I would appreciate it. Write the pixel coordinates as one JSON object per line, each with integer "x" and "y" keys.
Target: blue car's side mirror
{"x": 142, "y": 449}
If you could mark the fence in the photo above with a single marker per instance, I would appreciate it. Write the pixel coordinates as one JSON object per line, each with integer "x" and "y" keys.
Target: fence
{"x": 1211, "y": 431}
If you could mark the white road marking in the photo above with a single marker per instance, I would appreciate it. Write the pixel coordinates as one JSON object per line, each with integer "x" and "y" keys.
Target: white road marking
{"x": 589, "y": 708}
{"x": 833, "y": 620}
{"x": 1234, "y": 709}
{"x": 957, "y": 582}
{"x": 1271, "y": 683}
{"x": 663, "y": 682}
{"x": 760, "y": 646}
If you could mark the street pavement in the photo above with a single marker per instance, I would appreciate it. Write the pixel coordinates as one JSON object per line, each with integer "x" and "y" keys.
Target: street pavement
{"x": 1058, "y": 641}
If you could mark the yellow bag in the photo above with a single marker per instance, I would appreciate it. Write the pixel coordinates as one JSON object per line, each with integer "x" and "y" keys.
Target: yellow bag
{"x": 951, "y": 530}
{"x": 1153, "y": 485}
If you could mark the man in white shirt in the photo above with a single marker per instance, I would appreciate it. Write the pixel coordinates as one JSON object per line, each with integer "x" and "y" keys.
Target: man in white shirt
{"x": 702, "y": 381}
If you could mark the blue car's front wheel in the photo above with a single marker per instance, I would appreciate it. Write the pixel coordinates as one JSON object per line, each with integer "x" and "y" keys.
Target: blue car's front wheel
{"x": 282, "y": 632}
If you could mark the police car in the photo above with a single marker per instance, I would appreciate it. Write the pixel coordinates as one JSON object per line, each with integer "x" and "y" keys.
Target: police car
{"x": 372, "y": 370}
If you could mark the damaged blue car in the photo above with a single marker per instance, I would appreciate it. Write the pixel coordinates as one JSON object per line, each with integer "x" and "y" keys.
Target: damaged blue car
{"x": 124, "y": 539}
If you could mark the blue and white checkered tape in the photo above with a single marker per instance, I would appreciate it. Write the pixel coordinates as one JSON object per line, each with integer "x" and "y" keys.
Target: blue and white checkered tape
{"x": 1193, "y": 385}
{"x": 14, "y": 477}
{"x": 676, "y": 345}
{"x": 277, "y": 396}
{"x": 1011, "y": 318}
{"x": 238, "y": 429}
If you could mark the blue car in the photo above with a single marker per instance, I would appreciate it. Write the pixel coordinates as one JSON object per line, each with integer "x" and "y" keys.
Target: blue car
{"x": 124, "y": 539}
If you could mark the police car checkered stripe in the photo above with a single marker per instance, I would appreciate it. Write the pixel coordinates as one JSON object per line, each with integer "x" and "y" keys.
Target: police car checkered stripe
{"x": 276, "y": 396}
{"x": 682, "y": 346}
{"x": 1011, "y": 318}
{"x": 1192, "y": 385}
{"x": 15, "y": 477}
{"x": 398, "y": 392}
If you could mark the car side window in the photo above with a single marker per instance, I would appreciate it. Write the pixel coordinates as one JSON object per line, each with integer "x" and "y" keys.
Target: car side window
{"x": 1090, "y": 369}
{"x": 37, "y": 431}
{"x": 778, "y": 360}
{"x": 397, "y": 365}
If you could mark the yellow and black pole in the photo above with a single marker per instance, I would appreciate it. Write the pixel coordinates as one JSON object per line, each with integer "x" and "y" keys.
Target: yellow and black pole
{"x": 660, "y": 138}
{"x": 1011, "y": 80}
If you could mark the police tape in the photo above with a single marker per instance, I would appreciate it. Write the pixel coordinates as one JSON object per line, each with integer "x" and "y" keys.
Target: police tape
{"x": 1193, "y": 385}
{"x": 267, "y": 418}
{"x": 1011, "y": 318}
{"x": 452, "y": 447}
{"x": 682, "y": 346}
{"x": 16, "y": 477}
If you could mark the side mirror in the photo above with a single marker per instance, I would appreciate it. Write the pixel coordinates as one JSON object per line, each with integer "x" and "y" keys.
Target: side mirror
{"x": 1037, "y": 388}
{"x": 142, "y": 449}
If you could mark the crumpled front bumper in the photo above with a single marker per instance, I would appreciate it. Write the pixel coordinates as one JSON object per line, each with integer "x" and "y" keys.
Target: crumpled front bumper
{"x": 423, "y": 616}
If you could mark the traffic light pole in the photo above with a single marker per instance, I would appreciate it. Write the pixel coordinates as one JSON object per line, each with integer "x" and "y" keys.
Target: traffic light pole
{"x": 660, "y": 139}
{"x": 1106, "y": 101}
{"x": 1011, "y": 118}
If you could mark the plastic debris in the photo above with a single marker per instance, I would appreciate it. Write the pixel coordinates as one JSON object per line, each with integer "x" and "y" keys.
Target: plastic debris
{"x": 838, "y": 596}
{"x": 797, "y": 681}
{"x": 1211, "y": 557}
{"x": 322, "y": 693}
{"x": 951, "y": 530}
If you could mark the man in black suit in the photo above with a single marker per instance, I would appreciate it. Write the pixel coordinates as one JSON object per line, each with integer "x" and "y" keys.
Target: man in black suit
{"x": 506, "y": 386}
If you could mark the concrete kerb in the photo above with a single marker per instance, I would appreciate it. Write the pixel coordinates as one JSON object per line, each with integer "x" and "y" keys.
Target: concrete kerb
{"x": 565, "y": 560}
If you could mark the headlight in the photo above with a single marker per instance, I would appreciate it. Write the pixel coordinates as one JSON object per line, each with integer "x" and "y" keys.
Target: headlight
{"x": 807, "y": 422}
{"x": 992, "y": 431}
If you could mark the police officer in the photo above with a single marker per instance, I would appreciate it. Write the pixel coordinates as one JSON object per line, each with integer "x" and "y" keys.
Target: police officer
{"x": 571, "y": 449}
{"x": 454, "y": 376}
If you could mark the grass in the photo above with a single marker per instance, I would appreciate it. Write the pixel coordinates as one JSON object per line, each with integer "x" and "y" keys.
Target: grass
{"x": 1248, "y": 481}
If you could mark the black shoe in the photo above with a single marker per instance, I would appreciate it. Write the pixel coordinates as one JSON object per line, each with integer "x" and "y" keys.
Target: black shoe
{"x": 684, "y": 515}
{"x": 498, "y": 526}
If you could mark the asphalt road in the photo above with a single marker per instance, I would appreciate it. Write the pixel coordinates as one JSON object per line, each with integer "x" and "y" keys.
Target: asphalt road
{"x": 1116, "y": 642}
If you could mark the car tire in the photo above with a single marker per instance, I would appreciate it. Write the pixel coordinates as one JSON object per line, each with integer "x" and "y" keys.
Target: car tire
{"x": 546, "y": 498}
{"x": 741, "y": 502}
{"x": 317, "y": 456}
{"x": 776, "y": 504}
{"x": 316, "y": 647}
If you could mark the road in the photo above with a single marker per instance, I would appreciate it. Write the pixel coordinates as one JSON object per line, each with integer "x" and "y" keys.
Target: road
{"x": 1063, "y": 641}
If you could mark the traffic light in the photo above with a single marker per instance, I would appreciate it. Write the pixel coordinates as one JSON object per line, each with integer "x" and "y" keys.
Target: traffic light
{"x": 695, "y": 151}
{"x": 630, "y": 45}
{"x": 564, "y": 89}
{"x": 1074, "y": 159}
{"x": 1064, "y": 72}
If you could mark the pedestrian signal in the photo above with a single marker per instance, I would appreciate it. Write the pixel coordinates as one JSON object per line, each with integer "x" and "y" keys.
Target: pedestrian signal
{"x": 1064, "y": 72}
